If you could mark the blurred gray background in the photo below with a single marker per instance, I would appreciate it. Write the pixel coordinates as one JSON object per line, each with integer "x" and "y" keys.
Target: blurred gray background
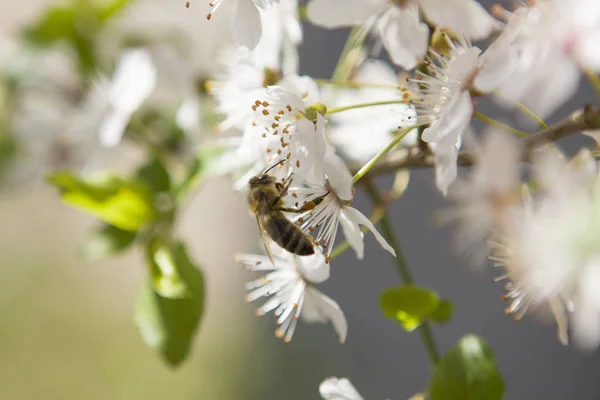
{"x": 67, "y": 329}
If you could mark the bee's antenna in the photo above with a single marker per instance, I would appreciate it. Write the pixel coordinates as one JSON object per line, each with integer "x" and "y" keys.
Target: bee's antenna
{"x": 273, "y": 166}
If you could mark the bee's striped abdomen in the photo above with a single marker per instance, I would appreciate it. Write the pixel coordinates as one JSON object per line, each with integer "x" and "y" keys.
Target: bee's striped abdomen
{"x": 288, "y": 235}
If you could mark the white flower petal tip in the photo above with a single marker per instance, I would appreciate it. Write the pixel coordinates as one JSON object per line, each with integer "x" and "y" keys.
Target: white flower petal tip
{"x": 338, "y": 389}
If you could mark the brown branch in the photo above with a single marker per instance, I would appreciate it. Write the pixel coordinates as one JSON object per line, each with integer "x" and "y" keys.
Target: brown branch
{"x": 581, "y": 120}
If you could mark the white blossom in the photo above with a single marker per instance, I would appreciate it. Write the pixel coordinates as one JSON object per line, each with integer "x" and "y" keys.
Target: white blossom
{"x": 361, "y": 133}
{"x": 330, "y": 187}
{"x": 485, "y": 199}
{"x": 444, "y": 102}
{"x": 289, "y": 282}
{"x": 550, "y": 41}
{"x": 338, "y": 389}
{"x": 549, "y": 250}
{"x": 246, "y": 23}
{"x": 133, "y": 81}
{"x": 279, "y": 130}
{"x": 398, "y": 24}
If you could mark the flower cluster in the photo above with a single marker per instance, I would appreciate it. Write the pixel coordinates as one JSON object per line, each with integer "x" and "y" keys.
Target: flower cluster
{"x": 239, "y": 105}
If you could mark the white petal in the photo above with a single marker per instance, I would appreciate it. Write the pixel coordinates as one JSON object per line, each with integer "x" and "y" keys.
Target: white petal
{"x": 353, "y": 235}
{"x": 586, "y": 318}
{"x": 188, "y": 114}
{"x": 112, "y": 128}
{"x": 462, "y": 16}
{"x": 497, "y": 62}
{"x": 404, "y": 36}
{"x": 446, "y": 154}
{"x": 247, "y": 25}
{"x": 455, "y": 117}
{"x": 340, "y": 13}
{"x": 338, "y": 389}
{"x": 320, "y": 308}
{"x": 588, "y": 50}
{"x": 314, "y": 268}
{"x": 265, "y": 4}
{"x": 356, "y": 216}
{"x": 339, "y": 176}
{"x": 133, "y": 81}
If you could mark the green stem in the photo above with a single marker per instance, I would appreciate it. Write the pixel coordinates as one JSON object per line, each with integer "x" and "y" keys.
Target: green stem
{"x": 492, "y": 122}
{"x": 525, "y": 109}
{"x": 361, "y": 172}
{"x": 364, "y": 105}
{"x": 594, "y": 80}
{"x": 388, "y": 232}
{"x": 355, "y": 85}
{"x": 355, "y": 39}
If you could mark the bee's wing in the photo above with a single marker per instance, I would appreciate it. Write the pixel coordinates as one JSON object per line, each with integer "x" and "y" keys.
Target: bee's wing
{"x": 265, "y": 238}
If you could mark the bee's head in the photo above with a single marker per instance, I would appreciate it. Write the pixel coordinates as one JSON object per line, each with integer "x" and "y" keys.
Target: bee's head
{"x": 262, "y": 179}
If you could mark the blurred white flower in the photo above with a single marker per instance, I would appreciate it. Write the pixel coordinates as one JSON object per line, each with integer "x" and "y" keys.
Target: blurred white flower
{"x": 550, "y": 250}
{"x": 551, "y": 40}
{"x": 484, "y": 200}
{"x": 133, "y": 81}
{"x": 398, "y": 23}
{"x": 361, "y": 133}
{"x": 289, "y": 283}
{"x": 52, "y": 123}
{"x": 246, "y": 24}
{"x": 338, "y": 389}
{"x": 282, "y": 34}
{"x": 330, "y": 187}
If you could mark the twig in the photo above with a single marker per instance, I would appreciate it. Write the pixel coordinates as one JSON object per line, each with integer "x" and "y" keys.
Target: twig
{"x": 581, "y": 120}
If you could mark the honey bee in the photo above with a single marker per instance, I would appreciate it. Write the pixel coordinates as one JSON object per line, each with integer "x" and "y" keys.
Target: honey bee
{"x": 266, "y": 204}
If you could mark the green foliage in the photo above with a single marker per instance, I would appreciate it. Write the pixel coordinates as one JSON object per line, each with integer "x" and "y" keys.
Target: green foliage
{"x": 165, "y": 274}
{"x": 77, "y": 23}
{"x": 155, "y": 174}
{"x": 206, "y": 163}
{"x": 443, "y": 313}
{"x": 125, "y": 204}
{"x": 169, "y": 324}
{"x": 467, "y": 372}
{"x": 106, "y": 241}
{"x": 413, "y": 305}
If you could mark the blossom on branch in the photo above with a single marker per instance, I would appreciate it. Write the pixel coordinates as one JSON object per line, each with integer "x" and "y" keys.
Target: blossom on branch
{"x": 551, "y": 41}
{"x": 443, "y": 101}
{"x": 330, "y": 187}
{"x": 361, "y": 133}
{"x": 289, "y": 283}
{"x": 550, "y": 250}
{"x": 399, "y": 25}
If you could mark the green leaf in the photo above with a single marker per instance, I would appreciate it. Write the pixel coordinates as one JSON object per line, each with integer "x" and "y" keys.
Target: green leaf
{"x": 155, "y": 175}
{"x": 443, "y": 313}
{"x": 168, "y": 325}
{"x": 111, "y": 9}
{"x": 409, "y": 305}
{"x": 106, "y": 241}
{"x": 164, "y": 264}
{"x": 467, "y": 372}
{"x": 125, "y": 204}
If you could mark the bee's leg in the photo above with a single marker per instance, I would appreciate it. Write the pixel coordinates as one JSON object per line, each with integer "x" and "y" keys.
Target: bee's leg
{"x": 309, "y": 205}
{"x": 283, "y": 192}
